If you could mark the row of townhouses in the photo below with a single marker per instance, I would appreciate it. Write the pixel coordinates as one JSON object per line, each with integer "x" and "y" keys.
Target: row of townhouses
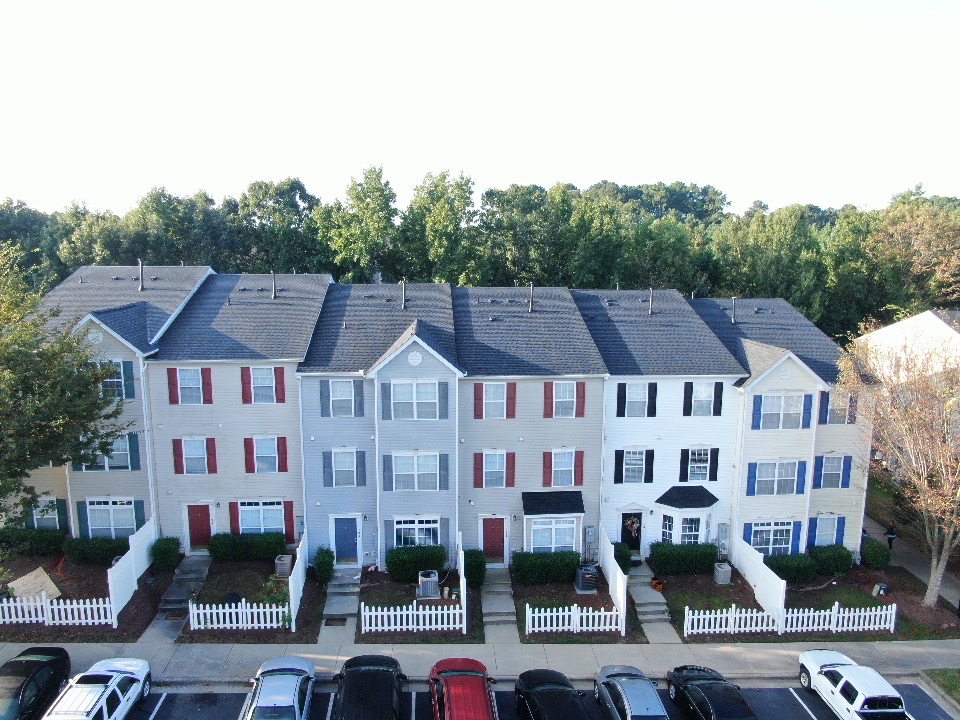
{"x": 375, "y": 416}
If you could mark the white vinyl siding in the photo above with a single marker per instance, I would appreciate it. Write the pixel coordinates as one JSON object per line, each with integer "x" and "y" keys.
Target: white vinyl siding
{"x": 776, "y": 478}
{"x": 261, "y": 516}
{"x": 111, "y": 517}
{"x": 781, "y": 412}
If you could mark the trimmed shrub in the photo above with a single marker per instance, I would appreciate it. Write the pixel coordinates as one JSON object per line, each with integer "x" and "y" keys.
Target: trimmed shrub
{"x": 833, "y": 560}
{"x": 539, "y": 568}
{"x": 474, "y": 567}
{"x": 94, "y": 551}
{"x": 404, "y": 563}
{"x": 623, "y": 555}
{"x": 670, "y": 559}
{"x": 798, "y": 568}
{"x": 227, "y": 547}
{"x": 165, "y": 553}
{"x": 323, "y": 565}
{"x": 32, "y": 541}
{"x": 875, "y": 554}
{"x": 224, "y": 547}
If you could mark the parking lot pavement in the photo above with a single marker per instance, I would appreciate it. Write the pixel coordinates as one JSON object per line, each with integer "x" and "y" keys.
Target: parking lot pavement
{"x": 769, "y": 704}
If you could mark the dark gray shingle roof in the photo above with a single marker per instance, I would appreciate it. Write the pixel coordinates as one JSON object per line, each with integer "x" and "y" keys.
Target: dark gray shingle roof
{"x": 950, "y": 317}
{"x": 693, "y": 496}
{"x": 552, "y": 502}
{"x": 359, "y": 324}
{"x": 112, "y": 294}
{"x": 673, "y": 340}
{"x": 234, "y": 317}
{"x": 774, "y": 322}
{"x": 496, "y": 335}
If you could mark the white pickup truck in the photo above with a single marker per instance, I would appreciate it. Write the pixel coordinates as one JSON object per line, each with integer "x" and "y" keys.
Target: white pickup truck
{"x": 853, "y": 692}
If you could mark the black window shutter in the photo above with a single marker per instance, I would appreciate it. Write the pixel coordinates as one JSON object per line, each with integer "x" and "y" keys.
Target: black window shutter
{"x": 714, "y": 461}
{"x": 684, "y": 464}
{"x": 651, "y": 399}
{"x": 717, "y": 398}
{"x": 618, "y": 466}
{"x": 648, "y": 467}
{"x": 687, "y": 399}
{"x": 621, "y": 399}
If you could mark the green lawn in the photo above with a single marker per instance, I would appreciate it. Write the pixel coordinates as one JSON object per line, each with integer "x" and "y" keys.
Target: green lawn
{"x": 244, "y": 578}
{"x": 948, "y": 681}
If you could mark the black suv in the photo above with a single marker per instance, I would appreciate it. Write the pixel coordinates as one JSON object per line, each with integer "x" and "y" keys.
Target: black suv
{"x": 705, "y": 694}
{"x": 30, "y": 681}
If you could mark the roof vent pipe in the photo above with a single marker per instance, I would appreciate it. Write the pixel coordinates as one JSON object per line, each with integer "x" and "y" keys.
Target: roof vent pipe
{"x": 273, "y": 291}
{"x": 650, "y": 307}
{"x": 733, "y": 311}
{"x": 140, "y": 274}
{"x": 403, "y": 294}
{"x": 530, "y": 306}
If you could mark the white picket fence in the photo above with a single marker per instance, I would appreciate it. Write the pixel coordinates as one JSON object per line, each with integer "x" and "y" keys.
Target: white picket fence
{"x": 791, "y": 620}
{"x": 412, "y": 618}
{"x": 242, "y": 616}
{"x": 57, "y": 612}
{"x": 572, "y": 618}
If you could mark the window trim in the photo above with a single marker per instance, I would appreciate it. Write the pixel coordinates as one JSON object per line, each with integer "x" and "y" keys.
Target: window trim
{"x": 573, "y": 467}
{"x": 259, "y": 503}
{"x": 414, "y": 382}
{"x": 180, "y": 384}
{"x": 708, "y": 388}
{"x": 353, "y": 399}
{"x": 572, "y": 399}
{"x": 838, "y": 472}
{"x": 276, "y": 454}
{"x": 50, "y": 505}
{"x": 776, "y": 477}
{"x": 833, "y": 530}
{"x": 843, "y": 411}
{"x": 206, "y": 459}
{"x": 573, "y": 521}
{"x": 705, "y": 464}
{"x": 772, "y": 525}
{"x": 111, "y": 502}
{"x": 642, "y": 453}
{"x": 683, "y": 532}
{"x": 254, "y": 385}
{"x": 352, "y": 452}
{"x": 645, "y": 399}
{"x": 416, "y": 521}
{"x": 118, "y": 364}
{"x": 667, "y": 534}
{"x": 486, "y": 413}
{"x": 783, "y": 395}
{"x": 106, "y": 459}
{"x": 416, "y": 471}
{"x": 502, "y": 454}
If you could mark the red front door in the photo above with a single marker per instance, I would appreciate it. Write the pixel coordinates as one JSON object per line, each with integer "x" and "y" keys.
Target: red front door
{"x": 493, "y": 539}
{"x": 198, "y": 516}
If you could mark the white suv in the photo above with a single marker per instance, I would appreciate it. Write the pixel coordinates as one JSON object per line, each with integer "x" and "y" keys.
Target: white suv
{"x": 107, "y": 691}
{"x": 850, "y": 690}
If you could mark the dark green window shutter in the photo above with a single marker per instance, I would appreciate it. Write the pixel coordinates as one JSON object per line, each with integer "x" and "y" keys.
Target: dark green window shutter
{"x": 77, "y": 467}
{"x": 133, "y": 445}
{"x": 128, "y": 391}
{"x": 138, "y": 516}
{"x": 83, "y": 528}
{"x": 63, "y": 522}
{"x": 29, "y": 521}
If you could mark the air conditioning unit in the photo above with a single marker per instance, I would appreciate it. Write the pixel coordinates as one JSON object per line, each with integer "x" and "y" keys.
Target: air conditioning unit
{"x": 428, "y": 585}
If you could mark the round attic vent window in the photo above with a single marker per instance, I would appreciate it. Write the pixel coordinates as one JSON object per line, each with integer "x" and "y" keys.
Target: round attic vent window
{"x": 785, "y": 373}
{"x": 415, "y": 358}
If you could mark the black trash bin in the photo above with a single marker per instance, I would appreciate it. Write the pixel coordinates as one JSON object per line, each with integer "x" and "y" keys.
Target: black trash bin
{"x": 587, "y": 576}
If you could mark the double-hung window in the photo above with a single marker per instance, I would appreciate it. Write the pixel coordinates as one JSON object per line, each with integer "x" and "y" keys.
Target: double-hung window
{"x": 781, "y": 412}
{"x": 776, "y": 478}
{"x": 689, "y": 531}
{"x": 113, "y": 387}
{"x": 195, "y": 456}
{"x": 415, "y": 400}
{"x": 265, "y": 453}
{"x": 637, "y": 394}
{"x": 341, "y": 398}
{"x": 564, "y": 399}
{"x": 416, "y": 471}
{"x": 826, "y": 530}
{"x": 111, "y": 517}
{"x": 633, "y": 466}
{"x": 416, "y": 531}
{"x": 495, "y": 400}
{"x": 772, "y": 538}
{"x": 839, "y": 406}
{"x": 553, "y": 535}
{"x": 702, "y": 403}
{"x": 666, "y": 529}
{"x": 832, "y": 471}
{"x": 698, "y": 465}
{"x": 563, "y": 468}
{"x": 494, "y": 469}
{"x": 45, "y": 515}
{"x": 262, "y": 379}
{"x": 118, "y": 459}
{"x": 344, "y": 468}
{"x": 191, "y": 389}
{"x": 261, "y": 516}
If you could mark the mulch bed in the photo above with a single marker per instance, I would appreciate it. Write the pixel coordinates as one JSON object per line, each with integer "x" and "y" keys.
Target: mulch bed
{"x": 309, "y": 620}
{"x": 87, "y": 582}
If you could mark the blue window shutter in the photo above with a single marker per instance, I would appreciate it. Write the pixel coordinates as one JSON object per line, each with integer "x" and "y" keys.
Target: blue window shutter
{"x": 807, "y": 410}
{"x": 328, "y": 468}
{"x": 442, "y": 401}
{"x": 757, "y": 406}
{"x": 128, "y": 391}
{"x": 824, "y": 407}
{"x": 388, "y": 536}
{"x": 133, "y": 446}
{"x": 324, "y": 398}
{"x": 818, "y": 472}
{"x": 801, "y": 477}
{"x": 444, "y": 471}
{"x": 751, "y": 479}
{"x": 358, "y": 397}
{"x": 795, "y": 540}
{"x": 63, "y": 522}
{"x": 83, "y": 527}
{"x": 387, "y": 413}
{"x": 812, "y": 533}
{"x": 748, "y": 533}
{"x": 841, "y": 526}
{"x": 847, "y": 466}
{"x": 388, "y": 472}
{"x": 138, "y": 514}
{"x": 852, "y": 410}
{"x": 77, "y": 467}
{"x": 361, "y": 468}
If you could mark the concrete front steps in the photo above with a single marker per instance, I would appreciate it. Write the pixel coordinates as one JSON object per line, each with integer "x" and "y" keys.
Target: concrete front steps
{"x": 497, "y": 598}
{"x": 343, "y": 594}
{"x": 651, "y": 607}
{"x": 187, "y": 581}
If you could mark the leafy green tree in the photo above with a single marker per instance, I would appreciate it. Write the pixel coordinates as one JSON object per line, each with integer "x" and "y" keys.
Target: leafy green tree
{"x": 25, "y": 226}
{"x": 96, "y": 239}
{"x": 601, "y": 227}
{"x": 659, "y": 254}
{"x": 512, "y": 239}
{"x": 364, "y": 233}
{"x": 51, "y": 407}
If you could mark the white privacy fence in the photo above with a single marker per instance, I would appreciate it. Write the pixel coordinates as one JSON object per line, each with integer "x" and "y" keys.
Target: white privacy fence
{"x": 297, "y": 579}
{"x": 615, "y": 579}
{"x": 573, "y": 618}
{"x": 42, "y": 609}
{"x": 768, "y": 588}
{"x": 790, "y": 620}
{"x": 123, "y": 576}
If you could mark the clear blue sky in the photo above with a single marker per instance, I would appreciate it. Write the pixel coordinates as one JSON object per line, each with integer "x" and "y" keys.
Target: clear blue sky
{"x": 820, "y": 102}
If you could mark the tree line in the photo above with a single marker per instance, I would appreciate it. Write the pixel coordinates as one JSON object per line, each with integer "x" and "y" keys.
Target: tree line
{"x": 838, "y": 266}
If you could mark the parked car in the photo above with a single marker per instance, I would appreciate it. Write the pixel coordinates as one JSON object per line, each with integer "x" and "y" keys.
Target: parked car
{"x": 705, "y": 694}
{"x": 368, "y": 688}
{"x": 626, "y": 693}
{"x": 850, "y": 690}
{"x": 548, "y": 695}
{"x": 109, "y": 690}
{"x": 460, "y": 689}
{"x": 282, "y": 690}
{"x": 30, "y": 681}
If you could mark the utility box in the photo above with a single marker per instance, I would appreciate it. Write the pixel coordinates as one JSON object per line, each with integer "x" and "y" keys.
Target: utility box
{"x": 428, "y": 585}
{"x": 283, "y": 565}
{"x": 722, "y": 573}
{"x": 586, "y": 579}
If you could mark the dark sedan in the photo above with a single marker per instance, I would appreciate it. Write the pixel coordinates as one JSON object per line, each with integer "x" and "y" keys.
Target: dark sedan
{"x": 548, "y": 695}
{"x": 31, "y": 681}
{"x": 705, "y": 694}
{"x": 368, "y": 688}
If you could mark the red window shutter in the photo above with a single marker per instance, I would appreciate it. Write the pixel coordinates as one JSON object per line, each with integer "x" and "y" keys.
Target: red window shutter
{"x": 478, "y": 401}
{"x": 288, "y": 521}
{"x": 278, "y": 385}
{"x": 581, "y": 398}
{"x": 246, "y": 386}
{"x": 177, "y": 456}
{"x": 478, "y": 470}
{"x": 249, "y": 455}
{"x": 511, "y": 400}
{"x": 206, "y": 386}
{"x": 547, "y": 469}
{"x": 235, "y": 518}
{"x": 173, "y": 386}
{"x": 578, "y": 467}
{"x": 548, "y": 399}
{"x": 212, "y": 456}
{"x": 282, "y": 454}
{"x": 511, "y": 469}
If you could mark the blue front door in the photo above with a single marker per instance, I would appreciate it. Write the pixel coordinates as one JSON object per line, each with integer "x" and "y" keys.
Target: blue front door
{"x": 345, "y": 540}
